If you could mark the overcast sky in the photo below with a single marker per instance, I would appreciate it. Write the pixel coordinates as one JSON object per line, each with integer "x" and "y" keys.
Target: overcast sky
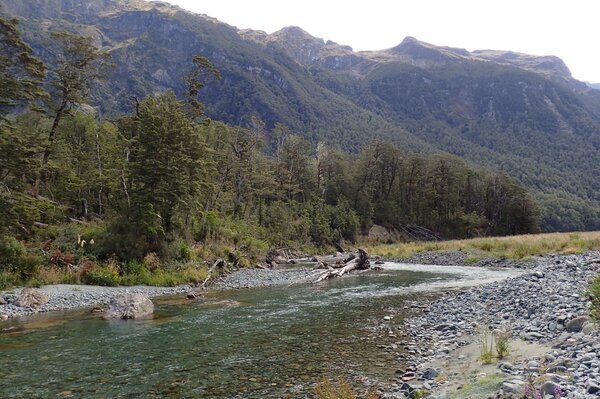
{"x": 569, "y": 29}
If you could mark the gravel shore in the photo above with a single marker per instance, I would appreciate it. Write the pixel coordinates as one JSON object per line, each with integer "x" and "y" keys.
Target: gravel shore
{"x": 65, "y": 297}
{"x": 249, "y": 278}
{"x": 545, "y": 305}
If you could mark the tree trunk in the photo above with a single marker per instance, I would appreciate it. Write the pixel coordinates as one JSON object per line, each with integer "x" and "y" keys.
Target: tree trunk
{"x": 51, "y": 136}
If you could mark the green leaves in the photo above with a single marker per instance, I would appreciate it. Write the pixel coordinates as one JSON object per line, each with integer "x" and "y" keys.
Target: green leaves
{"x": 21, "y": 74}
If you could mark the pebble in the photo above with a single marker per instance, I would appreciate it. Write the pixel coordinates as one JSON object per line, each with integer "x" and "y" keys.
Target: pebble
{"x": 544, "y": 305}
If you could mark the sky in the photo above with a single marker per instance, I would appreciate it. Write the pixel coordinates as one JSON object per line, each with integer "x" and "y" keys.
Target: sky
{"x": 568, "y": 29}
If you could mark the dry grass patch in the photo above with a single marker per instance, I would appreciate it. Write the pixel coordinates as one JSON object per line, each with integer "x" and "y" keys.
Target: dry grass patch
{"x": 511, "y": 247}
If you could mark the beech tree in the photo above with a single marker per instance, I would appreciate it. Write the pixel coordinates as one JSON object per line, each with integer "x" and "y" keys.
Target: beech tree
{"x": 21, "y": 76}
{"x": 77, "y": 64}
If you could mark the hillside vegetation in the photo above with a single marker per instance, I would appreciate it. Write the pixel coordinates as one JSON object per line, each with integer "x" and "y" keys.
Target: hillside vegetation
{"x": 155, "y": 194}
{"x": 499, "y": 110}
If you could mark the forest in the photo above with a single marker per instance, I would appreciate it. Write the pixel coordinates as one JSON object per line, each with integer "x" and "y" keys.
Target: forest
{"x": 148, "y": 196}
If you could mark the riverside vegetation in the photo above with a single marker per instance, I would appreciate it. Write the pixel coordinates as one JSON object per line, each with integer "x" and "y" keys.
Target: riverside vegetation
{"x": 149, "y": 196}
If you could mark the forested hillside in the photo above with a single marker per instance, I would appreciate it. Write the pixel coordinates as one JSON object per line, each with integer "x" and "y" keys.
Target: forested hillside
{"x": 109, "y": 200}
{"x": 521, "y": 114}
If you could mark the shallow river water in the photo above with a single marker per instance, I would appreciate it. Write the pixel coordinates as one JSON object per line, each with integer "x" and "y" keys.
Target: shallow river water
{"x": 270, "y": 342}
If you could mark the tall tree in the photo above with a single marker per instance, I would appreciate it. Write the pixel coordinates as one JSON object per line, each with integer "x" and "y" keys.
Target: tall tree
{"x": 168, "y": 168}
{"x": 21, "y": 74}
{"x": 77, "y": 64}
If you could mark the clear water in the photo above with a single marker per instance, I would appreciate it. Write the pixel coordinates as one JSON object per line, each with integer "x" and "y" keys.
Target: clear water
{"x": 272, "y": 342}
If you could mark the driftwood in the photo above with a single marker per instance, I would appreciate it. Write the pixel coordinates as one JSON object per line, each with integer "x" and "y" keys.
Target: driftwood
{"x": 339, "y": 269}
{"x": 219, "y": 263}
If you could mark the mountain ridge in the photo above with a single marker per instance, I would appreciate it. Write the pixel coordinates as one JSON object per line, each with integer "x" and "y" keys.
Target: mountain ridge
{"x": 497, "y": 109}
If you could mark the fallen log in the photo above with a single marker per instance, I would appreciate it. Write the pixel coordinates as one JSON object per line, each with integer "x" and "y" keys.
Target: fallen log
{"x": 219, "y": 263}
{"x": 354, "y": 263}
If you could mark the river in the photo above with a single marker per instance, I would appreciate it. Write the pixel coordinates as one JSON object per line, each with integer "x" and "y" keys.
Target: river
{"x": 271, "y": 342}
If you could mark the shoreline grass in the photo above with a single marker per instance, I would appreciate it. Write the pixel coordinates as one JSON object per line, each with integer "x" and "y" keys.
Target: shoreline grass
{"x": 510, "y": 247}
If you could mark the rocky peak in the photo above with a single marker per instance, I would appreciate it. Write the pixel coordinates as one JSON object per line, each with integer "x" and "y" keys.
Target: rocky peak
{"x": 548, "y": 65}
{"x": 303, "y": 47}
{"x": 420, "y": 52}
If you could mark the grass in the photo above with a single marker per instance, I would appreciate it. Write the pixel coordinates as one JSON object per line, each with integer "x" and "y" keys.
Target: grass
{"x": 486, "y": 347}
{"x": 481, "y": 388}
{"x": 511, "y": 247}
{"x": 325, "y": 389}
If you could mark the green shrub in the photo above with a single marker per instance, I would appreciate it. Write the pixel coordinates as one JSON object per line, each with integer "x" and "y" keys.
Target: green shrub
{"x": 11, "y": 253}
{"x": 15, "y": 258}
{"x": 8, "y": 279}
{"x": 486, "y": 345}
{"x": 594, "y": 294}
{"x": 104, "y": 276}
{"x": 502, "y": 339}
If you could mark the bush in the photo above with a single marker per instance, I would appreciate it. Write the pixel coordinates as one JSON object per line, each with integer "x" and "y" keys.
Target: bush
{"x": 151, "y": 261}
{"x": 15, "y": 258}
{"x": 594, "y": 294}
{"x": 104, "y": 276}
{"x": 8, "y": 279}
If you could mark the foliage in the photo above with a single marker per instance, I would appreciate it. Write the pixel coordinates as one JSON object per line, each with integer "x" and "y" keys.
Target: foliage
{"x": 21, "y": 73}
{"x": 486, "y": 344}
{"x": 594, "y": 294}
{"x": 105, "y": 276}
{"x": 15, "y": 258}
{"x": 502, "y": 343}
{"x": 325, "y": 389}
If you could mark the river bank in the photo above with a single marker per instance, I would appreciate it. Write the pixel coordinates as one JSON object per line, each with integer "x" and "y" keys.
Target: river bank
{"x": 68, "y": 297}
{"x": 540, "y": 302}
{"x": 544, "y": 306}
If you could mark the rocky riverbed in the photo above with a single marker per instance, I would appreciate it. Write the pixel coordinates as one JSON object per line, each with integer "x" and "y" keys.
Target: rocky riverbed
{"x": 544, "y": 306}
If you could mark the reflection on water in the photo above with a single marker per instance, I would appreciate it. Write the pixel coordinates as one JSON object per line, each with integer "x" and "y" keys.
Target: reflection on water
{"x": 256, "y": 343}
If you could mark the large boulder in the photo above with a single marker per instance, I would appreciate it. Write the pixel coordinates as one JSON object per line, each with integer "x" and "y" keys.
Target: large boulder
{"x": 576, "y": 324}
{"x": 129, "y": 306}
{"x": 31, "y": 298}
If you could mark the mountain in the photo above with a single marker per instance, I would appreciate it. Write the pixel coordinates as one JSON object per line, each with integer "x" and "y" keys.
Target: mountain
{"x": 498, "y": 109}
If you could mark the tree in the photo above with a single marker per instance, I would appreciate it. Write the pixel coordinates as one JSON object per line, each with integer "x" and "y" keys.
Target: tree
{"x": 167, "y": 170}
{"x": 201, "y": 73}
{"x": 21, "y": 74}
{"x": 77, "y": 64}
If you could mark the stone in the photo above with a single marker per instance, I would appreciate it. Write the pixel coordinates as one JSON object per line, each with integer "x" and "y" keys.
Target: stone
{"x": 589, "y": 327}
{"x": 513, "y": 386}
{"x": 31, "y": 298}
{"x": 129, "y": 306}
{"x": 533, "y": 336}
{"x": 538, "y": 274}
{"x": 2, "y": 301}
{"x": 430, "y": 374}
{"x": 506, "y": 366}
{"x": 445, "y": 327}
{"x": 550, "y": 388}
{"x": 593, "y": 387}
{"x": 3, "y": 316}
{"x": 576, "y": 324}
